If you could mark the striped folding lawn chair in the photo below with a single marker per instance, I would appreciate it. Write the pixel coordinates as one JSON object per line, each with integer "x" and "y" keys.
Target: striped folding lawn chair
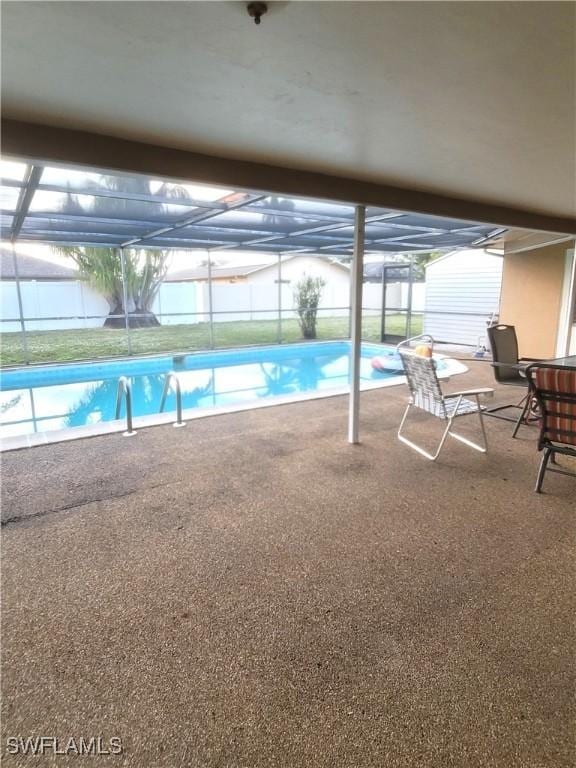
{"x": 426, "y": 394}
{"x": 555, "y": 390}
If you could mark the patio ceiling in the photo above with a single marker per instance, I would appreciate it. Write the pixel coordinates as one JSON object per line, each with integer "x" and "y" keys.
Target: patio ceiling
{"x": 64, "y": 206}
{"x": 473, "y": 101}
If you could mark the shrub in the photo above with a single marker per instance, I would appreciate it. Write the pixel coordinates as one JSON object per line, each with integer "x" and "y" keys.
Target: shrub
{"x": 307, "y": 295}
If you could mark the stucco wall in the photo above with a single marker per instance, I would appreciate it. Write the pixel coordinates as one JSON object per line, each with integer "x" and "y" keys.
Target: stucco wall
{"x": 531, "y": 296}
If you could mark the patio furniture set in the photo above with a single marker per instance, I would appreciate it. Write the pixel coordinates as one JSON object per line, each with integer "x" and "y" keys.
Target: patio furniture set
{"x": 549, "y": 402}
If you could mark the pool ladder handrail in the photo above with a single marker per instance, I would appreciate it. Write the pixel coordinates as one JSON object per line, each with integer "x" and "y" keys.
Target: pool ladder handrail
{"x": 172, "y": 377}
{"x": 420, "y": 337}
{"x": 125, "y": 389}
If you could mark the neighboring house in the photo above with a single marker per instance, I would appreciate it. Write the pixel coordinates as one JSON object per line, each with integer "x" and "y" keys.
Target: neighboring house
{"x": 238, "y": 274}
{"x": 32, "y": 268}
{"x": 462, "y": 296}
{"x": 253, "y": 292}
{"x": 292, "y": 269}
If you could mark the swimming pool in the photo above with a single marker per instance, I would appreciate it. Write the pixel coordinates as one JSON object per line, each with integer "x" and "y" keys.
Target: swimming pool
{"x": 44, "y": 400}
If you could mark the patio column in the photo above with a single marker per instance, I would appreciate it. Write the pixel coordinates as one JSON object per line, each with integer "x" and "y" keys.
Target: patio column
{"x": 356, "y": 326}
{"x": 23, "y": 338}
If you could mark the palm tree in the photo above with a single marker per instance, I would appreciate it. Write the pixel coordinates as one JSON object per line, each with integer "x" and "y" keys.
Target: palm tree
{"x": 279, "y": 380}
{"x": 101, "y": 267}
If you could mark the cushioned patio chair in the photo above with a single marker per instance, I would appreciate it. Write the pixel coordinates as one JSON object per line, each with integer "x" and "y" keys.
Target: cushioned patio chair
{"x": 426, "y": 395}
{"x": 555, "y": 391}
{"x": 509, "y": 370}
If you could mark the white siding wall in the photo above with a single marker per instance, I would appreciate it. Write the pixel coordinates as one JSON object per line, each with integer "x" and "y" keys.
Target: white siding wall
{"x": 462, "y": 293}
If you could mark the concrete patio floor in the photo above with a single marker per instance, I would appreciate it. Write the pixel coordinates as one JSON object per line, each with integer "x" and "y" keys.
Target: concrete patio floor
{"x": 252, "y": 591}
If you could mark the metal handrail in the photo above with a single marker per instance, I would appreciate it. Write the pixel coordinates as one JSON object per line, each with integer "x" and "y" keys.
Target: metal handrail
{"x": 172, "y": 377}
{"x": 125, "y": 388}
{"x": 420, "y": 337}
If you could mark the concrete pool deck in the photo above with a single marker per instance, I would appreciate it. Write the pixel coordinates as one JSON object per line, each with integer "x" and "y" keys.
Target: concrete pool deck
{"x": 252, "y": 591}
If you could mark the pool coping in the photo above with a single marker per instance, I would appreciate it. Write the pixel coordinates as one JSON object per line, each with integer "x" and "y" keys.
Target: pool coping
{"x": 35, "y": 439}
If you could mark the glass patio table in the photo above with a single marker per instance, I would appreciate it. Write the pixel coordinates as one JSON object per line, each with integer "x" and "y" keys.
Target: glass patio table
{"x": 563, "y": 362}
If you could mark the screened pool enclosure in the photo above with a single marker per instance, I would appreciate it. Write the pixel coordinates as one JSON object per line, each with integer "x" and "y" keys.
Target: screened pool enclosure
{"x": 128, "y": 240}
{"x": 139, "y": 217}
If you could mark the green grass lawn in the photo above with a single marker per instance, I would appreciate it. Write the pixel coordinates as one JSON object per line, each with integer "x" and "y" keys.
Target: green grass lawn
{"x": 59, "y": 346}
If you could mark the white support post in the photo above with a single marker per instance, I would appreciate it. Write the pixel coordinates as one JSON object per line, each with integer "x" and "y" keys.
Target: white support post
{"x": 356, "y": 326}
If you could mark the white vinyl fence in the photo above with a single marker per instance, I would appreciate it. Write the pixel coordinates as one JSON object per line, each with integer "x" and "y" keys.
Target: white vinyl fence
{"x": 50, "y": 305}
{"x": 66, "y": 304}
{"x": 181, "y": 304}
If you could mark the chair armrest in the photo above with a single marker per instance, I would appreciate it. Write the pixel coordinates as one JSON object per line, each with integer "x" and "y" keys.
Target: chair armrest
{"x": 479, "y": 391}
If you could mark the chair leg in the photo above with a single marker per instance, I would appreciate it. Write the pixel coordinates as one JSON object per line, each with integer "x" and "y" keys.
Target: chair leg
{"x": 494, "y": 411}
{"x": 482, "y": 426}
{"x": 522, "y": 416}
{"x": 415, "y": 446}
{"x": 482, "y": 448}
{"x": 542, "y": 470}
{"x": 404, "y": 417}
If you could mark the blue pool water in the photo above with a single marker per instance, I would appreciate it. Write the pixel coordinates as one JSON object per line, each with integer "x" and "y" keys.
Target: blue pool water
{"x": 52, "y": 397}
